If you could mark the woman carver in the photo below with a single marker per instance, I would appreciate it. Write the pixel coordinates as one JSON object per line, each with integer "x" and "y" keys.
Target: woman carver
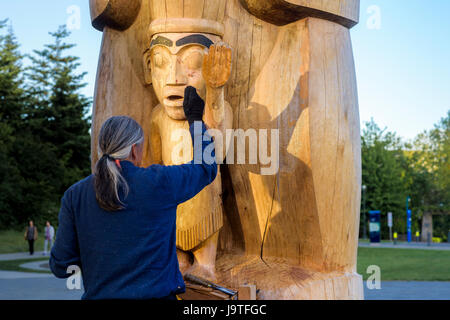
{"x": 119, "y": 224}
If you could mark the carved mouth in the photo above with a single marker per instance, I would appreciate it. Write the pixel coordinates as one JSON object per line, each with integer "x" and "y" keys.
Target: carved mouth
{"x": 174, "y": 98}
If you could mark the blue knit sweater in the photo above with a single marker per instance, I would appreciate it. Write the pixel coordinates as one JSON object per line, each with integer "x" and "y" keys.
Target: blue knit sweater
{"x": 129, "y": 254}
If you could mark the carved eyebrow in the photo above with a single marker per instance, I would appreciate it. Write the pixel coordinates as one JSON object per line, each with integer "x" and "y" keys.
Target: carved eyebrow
{"x": 161, "y": 40}
{"x": 195, "y": 38}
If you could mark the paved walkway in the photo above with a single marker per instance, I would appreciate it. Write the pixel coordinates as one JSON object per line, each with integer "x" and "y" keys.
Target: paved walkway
{"x": 37, "y": 265}
{"x": 409, "y": 290}
{"x": 16, "y": 285}
{"x": 21, "y": 255}
{"x": 406, "y": 245}
{"x": 23, "y": 275}
{"x": 39, "y": 286}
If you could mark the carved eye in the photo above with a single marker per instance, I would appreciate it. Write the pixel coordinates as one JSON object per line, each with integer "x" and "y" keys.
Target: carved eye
{"x": 159, "y": 60}
{"x": 193, "y": 60}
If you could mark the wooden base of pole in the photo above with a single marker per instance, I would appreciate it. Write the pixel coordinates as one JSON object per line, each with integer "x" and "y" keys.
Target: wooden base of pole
{"x": 276, "y": 279}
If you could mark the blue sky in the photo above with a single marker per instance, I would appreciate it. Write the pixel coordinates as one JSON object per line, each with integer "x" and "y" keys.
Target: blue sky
{"x": 402, "y": 54}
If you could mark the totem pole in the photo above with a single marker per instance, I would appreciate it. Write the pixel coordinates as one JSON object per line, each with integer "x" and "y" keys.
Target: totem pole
{"x": 293, "y": 233}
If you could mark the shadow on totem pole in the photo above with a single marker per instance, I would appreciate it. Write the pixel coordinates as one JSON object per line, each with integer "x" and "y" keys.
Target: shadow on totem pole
{"x": 286, "y": 224}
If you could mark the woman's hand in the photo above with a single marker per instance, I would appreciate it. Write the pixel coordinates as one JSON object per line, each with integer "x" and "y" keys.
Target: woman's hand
{"x": 193, "y": 105}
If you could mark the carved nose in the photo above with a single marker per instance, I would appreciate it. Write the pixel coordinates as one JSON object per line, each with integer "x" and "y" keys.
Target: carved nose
{"x": 176, "y": 74}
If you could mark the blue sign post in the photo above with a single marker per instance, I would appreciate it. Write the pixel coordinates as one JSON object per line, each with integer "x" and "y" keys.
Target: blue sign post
{"x": 374, "y": 226}
{"x": 408, "y": 220}
{"x": 408, "y": 225}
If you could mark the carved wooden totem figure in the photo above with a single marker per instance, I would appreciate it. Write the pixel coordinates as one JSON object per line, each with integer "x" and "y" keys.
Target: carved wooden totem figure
{"x": 177, "y": 57}
{"x": 292, "y": 233}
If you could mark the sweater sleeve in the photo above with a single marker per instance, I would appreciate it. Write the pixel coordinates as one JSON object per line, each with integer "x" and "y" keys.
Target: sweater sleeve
{"x": 65, "y": 252}
{"x": 186, "y": 180}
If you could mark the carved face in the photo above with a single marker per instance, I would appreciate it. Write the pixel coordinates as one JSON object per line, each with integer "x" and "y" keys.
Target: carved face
{"x": 175, "y": 62}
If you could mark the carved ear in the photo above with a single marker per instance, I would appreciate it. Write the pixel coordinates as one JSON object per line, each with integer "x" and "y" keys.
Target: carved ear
{"x": 147, "y": 67}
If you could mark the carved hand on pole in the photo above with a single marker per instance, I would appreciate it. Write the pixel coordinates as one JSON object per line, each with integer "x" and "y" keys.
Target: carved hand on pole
{"x": 217, "y": 65}
{"x": 216, "y": 72}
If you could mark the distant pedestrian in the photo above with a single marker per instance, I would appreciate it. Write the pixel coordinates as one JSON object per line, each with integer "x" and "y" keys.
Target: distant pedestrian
{"x": 31, "y": 235}
{"x": 49, "y": 234}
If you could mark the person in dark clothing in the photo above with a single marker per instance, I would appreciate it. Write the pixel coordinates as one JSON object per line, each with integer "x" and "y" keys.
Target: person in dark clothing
{"x": 31, "y": 235}
{"x": 119, "y": 224}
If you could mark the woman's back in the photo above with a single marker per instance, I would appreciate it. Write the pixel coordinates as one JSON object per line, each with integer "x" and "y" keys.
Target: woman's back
{"x": 124, "y": 254}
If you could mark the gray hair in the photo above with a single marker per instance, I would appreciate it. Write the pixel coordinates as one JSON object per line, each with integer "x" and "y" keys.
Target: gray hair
{"x": 117, "y": 137}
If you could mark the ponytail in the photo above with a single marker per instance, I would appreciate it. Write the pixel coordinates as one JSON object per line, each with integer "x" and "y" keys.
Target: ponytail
{"x": 116, "y": 138}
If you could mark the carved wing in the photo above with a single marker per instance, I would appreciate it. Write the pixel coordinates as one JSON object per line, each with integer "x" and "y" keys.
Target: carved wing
{"x": 116, "y": 14}
{"x": 282, "y": 12}
{"x": 298, "y": 78}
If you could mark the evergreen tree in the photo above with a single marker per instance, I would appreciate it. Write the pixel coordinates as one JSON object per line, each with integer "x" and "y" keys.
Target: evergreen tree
{"x": 44, "y": 132}
{"x": 12, "y": 104}
{"x": 60, "y": 110}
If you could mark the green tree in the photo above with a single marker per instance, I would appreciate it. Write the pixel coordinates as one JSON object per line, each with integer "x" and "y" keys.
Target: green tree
{"x": 440, "y": 136}
{"x": 382, "y": 174}
{"x": 44, "y": 132}
{"x": 393, "y": 170}
{"x": 12, "y": 105}
{"x": 60, "y": 110}
{"x": 429, "y": 175}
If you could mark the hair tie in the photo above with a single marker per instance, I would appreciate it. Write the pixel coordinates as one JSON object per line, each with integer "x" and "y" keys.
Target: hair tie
{"x": 105, "y": 155}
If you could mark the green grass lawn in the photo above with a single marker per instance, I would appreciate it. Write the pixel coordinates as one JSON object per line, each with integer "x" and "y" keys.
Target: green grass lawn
{"x": 14, "y": 265}
{"x": 395, "y": 264}
{"x": 13, "y": 241}
{"x": 406, "y": 264}
{"x": 368, "y": 241}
